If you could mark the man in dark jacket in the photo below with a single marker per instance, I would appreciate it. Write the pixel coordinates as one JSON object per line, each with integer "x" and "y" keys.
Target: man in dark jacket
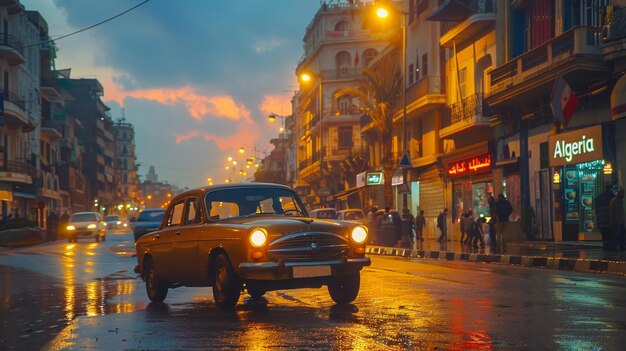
{"x": 602, "y": 216}
{"x": 617, "y": 217}
{"x": 503, "y": 211}
{"x": 441, "y": 224}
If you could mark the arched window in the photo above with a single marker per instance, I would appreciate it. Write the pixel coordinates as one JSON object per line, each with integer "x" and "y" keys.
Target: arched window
{"x": 344, "y": 105}
{"x": 342, "y": 26}
{"x": 343, "y": 62}
{"x": 368, "y": 55}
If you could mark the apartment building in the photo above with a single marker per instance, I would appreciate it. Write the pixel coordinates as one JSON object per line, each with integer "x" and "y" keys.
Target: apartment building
{"x": 339, "y": 41}
{"x": 125, "y": 165}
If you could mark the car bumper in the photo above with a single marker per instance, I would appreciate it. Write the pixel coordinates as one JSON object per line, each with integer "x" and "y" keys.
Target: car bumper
{"x": 296, "y": 270}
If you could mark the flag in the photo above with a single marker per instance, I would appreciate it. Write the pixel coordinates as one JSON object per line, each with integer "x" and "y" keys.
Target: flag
{"x": 563, "y": 101}
{"x": 356, "y": 58}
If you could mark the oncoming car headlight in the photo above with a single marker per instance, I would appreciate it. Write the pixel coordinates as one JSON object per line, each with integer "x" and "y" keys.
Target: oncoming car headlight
{"x": 258, "y": 238}
{"x": 91, "y": 226}
{"x": 359, "y": 234}
{"x": 70, "y": 227}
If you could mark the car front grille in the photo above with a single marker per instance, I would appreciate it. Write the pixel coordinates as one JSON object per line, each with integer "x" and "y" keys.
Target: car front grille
{"x": 309, "y": 247}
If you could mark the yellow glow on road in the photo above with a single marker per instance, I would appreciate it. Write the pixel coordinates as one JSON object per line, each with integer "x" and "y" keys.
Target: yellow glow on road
{"x": 70, "y": 246}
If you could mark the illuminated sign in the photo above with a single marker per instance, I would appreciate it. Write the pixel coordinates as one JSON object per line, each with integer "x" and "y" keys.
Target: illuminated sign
{"x": 583, "y": 145}
{"x": 374, "y": 178}
{"x": 469, "y": 166}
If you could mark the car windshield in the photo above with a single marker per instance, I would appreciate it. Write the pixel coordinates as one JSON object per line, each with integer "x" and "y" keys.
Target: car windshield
{"x": 84, "y": 217}
{"x": 112, "y": 218}
{"x": 353, "y": 215}
{"x": 239, "y": 202}
{"x": 326, "y": 214}
{"x": 151, "y": 216}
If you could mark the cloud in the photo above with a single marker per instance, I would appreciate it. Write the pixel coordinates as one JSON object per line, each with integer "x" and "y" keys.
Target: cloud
{"x": 275, "y": 104}
{"x": 268, "y": 44}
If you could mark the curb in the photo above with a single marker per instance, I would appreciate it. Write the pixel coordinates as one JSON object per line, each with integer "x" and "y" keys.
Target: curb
{"x": 567, "y": 264}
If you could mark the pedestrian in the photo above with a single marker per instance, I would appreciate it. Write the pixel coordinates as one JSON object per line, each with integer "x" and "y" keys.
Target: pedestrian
{"x": 492, "y": 219}
{"x": 617, "y": 219}
{"x": 462, "y": 225}
{"x": 408, "y": 224}
{"x": 602, "y": 216}
{"x": 503, "y": 210}
{"x": 475, "y": 231}
{"x": 372, "y": 225}
{"x": 420, "y": 224}
{"x": 441, "y": 224}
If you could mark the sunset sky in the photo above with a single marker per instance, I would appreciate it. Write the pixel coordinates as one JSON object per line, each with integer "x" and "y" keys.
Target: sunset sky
{"x": 196, "y": 78}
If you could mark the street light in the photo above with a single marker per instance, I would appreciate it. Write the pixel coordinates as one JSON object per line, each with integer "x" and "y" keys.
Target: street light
{"x": 272, "y": 117}
{"x": 382, "y": 11}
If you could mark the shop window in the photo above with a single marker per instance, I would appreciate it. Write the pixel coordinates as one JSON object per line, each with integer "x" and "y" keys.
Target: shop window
{"x": 581, "y": 184}
{"x": 345, "y": 136}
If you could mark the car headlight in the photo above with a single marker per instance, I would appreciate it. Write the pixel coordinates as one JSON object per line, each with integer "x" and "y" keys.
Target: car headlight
{"x": 258, "y": 238}
{"x": 119, "y": 222}
{"x": 70, "y": 227}
{"x": 91, "y": 226}
{"x": 359, "y": 234}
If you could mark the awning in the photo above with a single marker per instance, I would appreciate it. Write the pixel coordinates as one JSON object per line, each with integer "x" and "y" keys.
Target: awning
{"x": 24, "y": 195}
{"x": 343, "y": 195}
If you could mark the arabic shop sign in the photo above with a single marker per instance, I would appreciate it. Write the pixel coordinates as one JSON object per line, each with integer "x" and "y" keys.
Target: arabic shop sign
{"x": 374, "y": 178}
{"x": 583, "y": 145}
{"x": 474, "y": 165}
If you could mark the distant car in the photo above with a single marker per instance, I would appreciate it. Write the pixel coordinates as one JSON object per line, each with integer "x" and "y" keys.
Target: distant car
{"x": 253, "y": 236}
{"x": 85, "y": 225}
{"x": 352, "y": 214}
{"x": 326, "y": 213}
{"x": 148, "y": 221}
{"x": 115, "y": 222}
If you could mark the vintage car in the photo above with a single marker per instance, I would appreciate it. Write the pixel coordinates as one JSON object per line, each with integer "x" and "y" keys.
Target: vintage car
{"x": 252, "y": 236}
{"x": 85, "y": 225}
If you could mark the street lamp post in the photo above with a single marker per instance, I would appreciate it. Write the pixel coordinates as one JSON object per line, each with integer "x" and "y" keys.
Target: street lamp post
{"x": 383, "y": 12}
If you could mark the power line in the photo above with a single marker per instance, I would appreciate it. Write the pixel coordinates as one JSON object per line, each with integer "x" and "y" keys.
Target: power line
{"x": 86, "y": 28}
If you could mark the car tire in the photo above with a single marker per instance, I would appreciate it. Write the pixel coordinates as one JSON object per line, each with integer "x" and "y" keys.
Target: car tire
{"x": 344, "y": 289}
{"x": 156, "y": 289}
{"x": 255, "y": 290}
{"x": 226, "y": 284}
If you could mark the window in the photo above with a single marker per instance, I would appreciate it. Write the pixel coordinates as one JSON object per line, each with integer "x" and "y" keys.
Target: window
{"x": 411, "y": 74}
{"x": 424, "y": 65}
{"x": 229, "y": 203}
{"x": 368, "y": 55}
{"x": 345, "y": 136}
{"x": 344, "y": 103}
{"x": 175, "y": 217}
{"x": 417, "y": 65}
{"x": 463, "y": 82}
{"x": 342, "y": 26}
{"x": 343, "y": 63}
{"x": 193, "y": 211}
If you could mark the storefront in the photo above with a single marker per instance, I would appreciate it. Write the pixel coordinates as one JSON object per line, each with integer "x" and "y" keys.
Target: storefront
{"x": 580, "y": 173}
{"x": 471, "y": 185}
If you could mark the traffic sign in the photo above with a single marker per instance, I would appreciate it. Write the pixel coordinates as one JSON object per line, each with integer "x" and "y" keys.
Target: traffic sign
{"x": 405, "y": 161}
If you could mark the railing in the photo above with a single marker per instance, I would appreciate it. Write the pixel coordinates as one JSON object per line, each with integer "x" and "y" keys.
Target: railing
{"x": 341, "y": 73}
{"x": 19, "y": 167}
{"x": 473, "y": 7}
{"x": 424, "y": 86}
{"x": 470, "y": 106}
{"x": 13, "y": 97}
{"x": 12, "y": 42}
{"x": 579, "y": 40}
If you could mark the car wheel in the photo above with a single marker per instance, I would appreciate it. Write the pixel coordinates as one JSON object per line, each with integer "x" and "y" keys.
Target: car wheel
{"x": 226, "y": 285}
{"x": 344, "y": 289}
{"x": 255, "y": 290}
{"x": 156, "y": 289}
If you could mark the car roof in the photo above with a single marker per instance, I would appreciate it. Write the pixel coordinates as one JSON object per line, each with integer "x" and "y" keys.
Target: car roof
{"x": 350, "y": 210}
{"x": 81, "y": 213}
{"x": 244, "y": 185}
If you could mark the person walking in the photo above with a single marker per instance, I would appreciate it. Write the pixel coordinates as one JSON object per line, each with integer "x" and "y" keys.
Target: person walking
{"x": 372, "y": 225}
{"x": 475, "y": 231}
{"x": 492, "y": 219}
{"x": 503, "y": 210}
{"x": 441, "y": 224}
{"x": 602, "y": 216}
{"x": 408, "y": 225}
{"x": 420, "y": 224}
{"x": 465, "y": 237}
{"x": 617, "y": 218}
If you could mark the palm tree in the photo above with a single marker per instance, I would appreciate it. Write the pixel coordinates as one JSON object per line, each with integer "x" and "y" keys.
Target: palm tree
{"x": 378, "y": 94}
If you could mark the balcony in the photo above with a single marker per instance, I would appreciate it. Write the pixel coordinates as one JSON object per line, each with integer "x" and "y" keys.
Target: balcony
{"x": 11, "y": 49}
{"x": 470, "y": 113}
{"x": 523, "y": 80}
{"x": 341, "y": 74}
{"x": 423, "y": 96}
{"x": 17, "y": 172}
{"x": 15, "y": 111}
{"x": 51, "y": 129}
{"x": 473, "y": 18}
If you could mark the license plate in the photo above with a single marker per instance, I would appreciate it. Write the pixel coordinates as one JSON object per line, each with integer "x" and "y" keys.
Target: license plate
{"x": 311, "y": 271}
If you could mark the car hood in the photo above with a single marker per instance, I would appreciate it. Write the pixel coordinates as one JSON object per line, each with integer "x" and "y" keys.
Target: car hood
{"x": 278, "y": 227}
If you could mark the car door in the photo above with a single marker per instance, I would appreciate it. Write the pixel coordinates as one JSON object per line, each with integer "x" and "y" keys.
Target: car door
{"x": 186, "y": 241}
{"x": 167, "y": 263}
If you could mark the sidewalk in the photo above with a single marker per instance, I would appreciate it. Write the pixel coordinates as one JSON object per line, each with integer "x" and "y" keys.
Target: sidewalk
{"x": 573, "y": 256}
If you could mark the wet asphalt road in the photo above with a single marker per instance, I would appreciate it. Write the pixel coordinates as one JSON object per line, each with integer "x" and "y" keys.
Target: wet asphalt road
{"x": 85, "y": 296}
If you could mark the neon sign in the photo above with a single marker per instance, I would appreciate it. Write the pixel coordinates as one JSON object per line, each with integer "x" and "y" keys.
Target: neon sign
{"x": 470, "y": 166}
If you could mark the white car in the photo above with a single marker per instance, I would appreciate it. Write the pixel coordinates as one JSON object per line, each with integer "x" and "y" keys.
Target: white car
{"x": 115, "y": 222}
{"x": 85, "y": 225}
